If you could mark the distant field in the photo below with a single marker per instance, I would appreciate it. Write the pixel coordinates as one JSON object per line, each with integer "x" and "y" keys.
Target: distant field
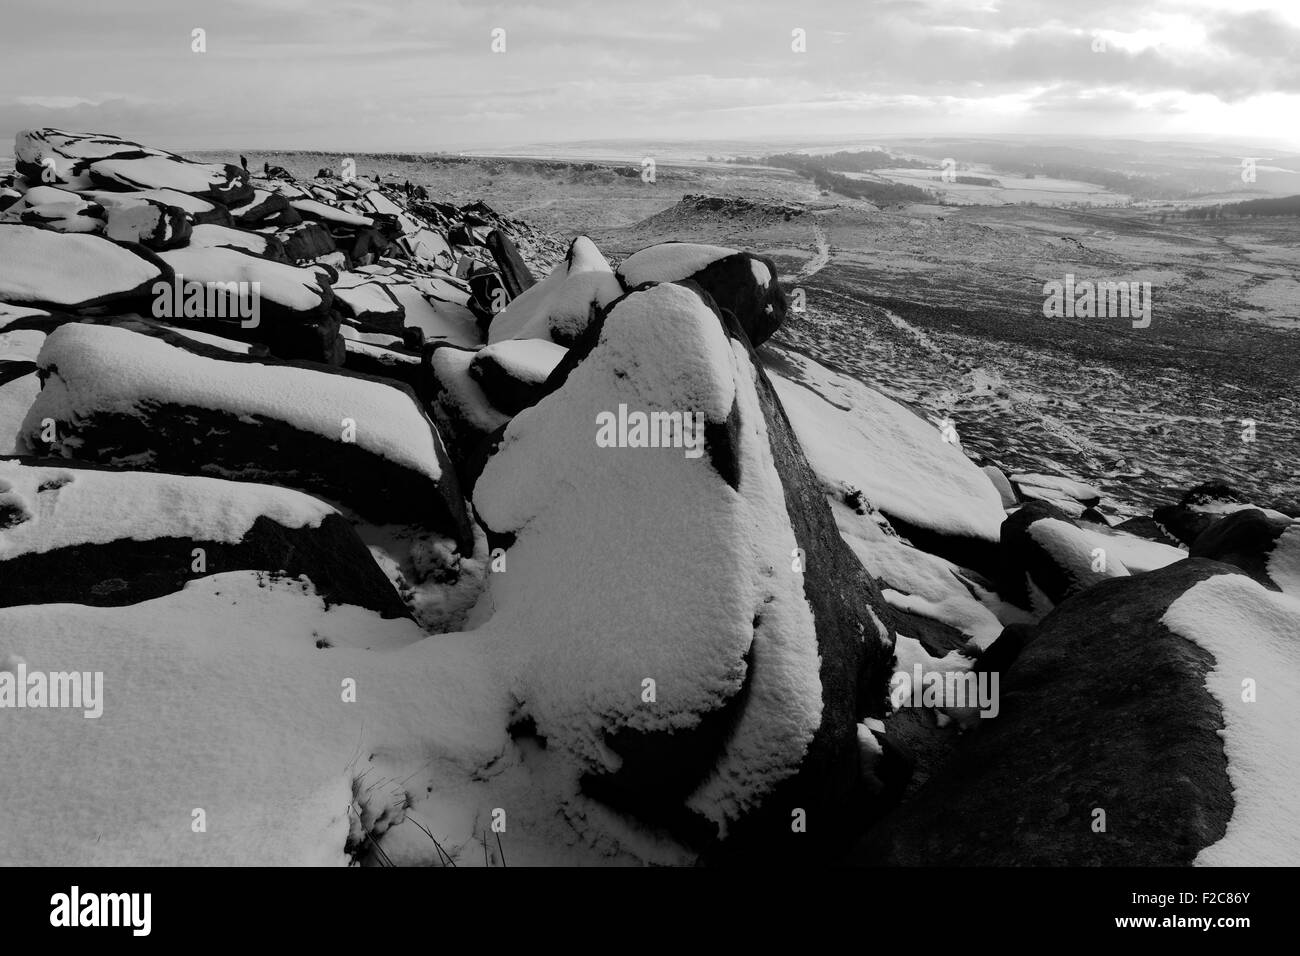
{"x": 1010, "y": 189}
{"x": 942, "y": 306}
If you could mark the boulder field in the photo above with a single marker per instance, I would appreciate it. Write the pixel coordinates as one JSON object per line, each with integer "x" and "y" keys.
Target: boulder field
{"x": 402, "y": 532}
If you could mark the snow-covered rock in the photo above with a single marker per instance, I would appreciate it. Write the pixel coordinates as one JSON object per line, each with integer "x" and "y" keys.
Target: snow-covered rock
{"x": 1255, "y": 679}
{"x": 198, "y": 210}
{"x": 111, "y": 538}
{"x": 223, "y": 183}
{"x": 306, "y": 241}
{"x": 371, "y": 303}
{"x": 742, "y": 283}
{"x": 427, "y": 245}
{"x": 1201, "y": 507}
{"x": 211, "y": 236}
{"x": 19, "y": 386}
{"x": 704, "y": 657}
{"x": 58, "y": 157}
{"x": 1056, "y": 489}
{"x": 513, "y": 373}
{"x": 853, "y": 435}
{"x": 323, "y": 212}
{"x": 284, "y": 306}
{"x": 149, "y": 222}
{"x": 436, "y": 307}
{"x": 562, "y": 306}
{"x": 1047, "y": 557}
{"x": 41, "y": 267}
{"x": 118, "y": 397}
{"x": 1003, "y": 484}
{"x": 230, "y": 696}
{"x": 265, "y": 209}
{"x": 57, "y": 209}
{"x": 465, "y": 415}
{"x": 1114, "y": 708}
{"x": 1265, "y": 545}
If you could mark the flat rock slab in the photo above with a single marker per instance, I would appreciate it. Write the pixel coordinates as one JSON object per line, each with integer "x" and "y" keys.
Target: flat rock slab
{"x": 119, "y": 397}
{"x": 110, "y": 538}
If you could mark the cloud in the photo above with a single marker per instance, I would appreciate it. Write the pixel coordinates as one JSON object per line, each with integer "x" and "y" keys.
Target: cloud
{"x": 312, "y": 71}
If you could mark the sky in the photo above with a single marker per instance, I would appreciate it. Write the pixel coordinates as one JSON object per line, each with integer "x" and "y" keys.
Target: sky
{"x": 424, "y": 76}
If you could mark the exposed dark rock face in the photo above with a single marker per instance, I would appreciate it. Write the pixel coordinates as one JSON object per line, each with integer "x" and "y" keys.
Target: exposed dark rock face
{"x": 1105, "y": 710}
{"x": 1247, "y": 539}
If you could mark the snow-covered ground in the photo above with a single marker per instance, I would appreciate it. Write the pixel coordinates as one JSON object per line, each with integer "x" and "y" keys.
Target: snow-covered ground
{"x": 616, "y": 613}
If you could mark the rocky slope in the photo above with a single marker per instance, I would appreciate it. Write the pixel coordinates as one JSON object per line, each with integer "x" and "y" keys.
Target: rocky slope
{"x": 400, "y": 532}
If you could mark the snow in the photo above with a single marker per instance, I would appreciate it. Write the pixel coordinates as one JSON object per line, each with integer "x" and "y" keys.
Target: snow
{"x": 46, "y": 195}
{"x": 370, "y": 338}
{"x": 163, "y": 172}
{"x": 915, "y": 580}
{"x": 168, "y": 197}
{"x": 16, "y": 397}
{"x": 461, "y": 393}
{"x": 526, "y": 360}
{"x": 1284, "y": 561}
{"x": 284, "y": 188}
{"x": 378, "y": 202}
{"x": 1225, "y": 508}
{"x": 207, "y": 338}
{"x": 319, "y": 210}
{"x": 96, "y": 507}
{"x": 1072, "y": 550}
{"x": 440, "y": 321}
{"x": 218, "y": 697}
{"x": 69, "y": 217}
{"x": 669, "y": 261}
{"x": 368, "y": 297}
{"x": 104, "y": 369}
{"x": 21, "y": 345}
{"x": 367, "y": 275}
{"x": 359, "y": 346}
{"x": 908, "y": 654}
{"x": 443, "y": 287}
{"x": 853, "y": 435}
{"x": 1136, "y": 554}
{"x": 13, "y": 313}
{"x": 584, "y": 632}
{"x": 132, "y": 222}
{"x": 39, "y": 265}
{"x": 427, "y": 244}
{"x": 563, "y": 302}
{"x": 32, "y": 145}
{"x": 1076, "y": 490}
{"x": 1251, "y": 631}
{"x": 290, "y": 286}
{"x": 210, "y": 236}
